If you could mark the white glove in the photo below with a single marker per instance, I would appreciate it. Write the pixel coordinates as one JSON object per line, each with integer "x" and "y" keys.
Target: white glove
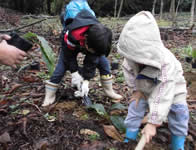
{"x": 84, "y": 88}
{"x": 76, "y": 80}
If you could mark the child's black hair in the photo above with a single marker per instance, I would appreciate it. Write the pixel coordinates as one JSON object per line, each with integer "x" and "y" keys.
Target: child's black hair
{"x": 99, "y": 38}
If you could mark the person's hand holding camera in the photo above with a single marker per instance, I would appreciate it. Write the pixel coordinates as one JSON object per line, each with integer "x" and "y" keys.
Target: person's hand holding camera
{"x": 10, "y": 55}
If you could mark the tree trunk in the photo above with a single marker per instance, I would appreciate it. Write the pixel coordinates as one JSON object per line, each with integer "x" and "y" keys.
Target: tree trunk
{"x": 153, "y": 7}
{"x": 192, "y": 12}
{"x": 172, "y": 7}
{"x": 161, "y": 9}
{"x": 179, "y": 1}
{"x": 48, "y": 6}
{"x": 172, "y": 12}
{"x": 119, "y": 11}
{"x": 115, "y": 8}
{"x": 174, "y": 22}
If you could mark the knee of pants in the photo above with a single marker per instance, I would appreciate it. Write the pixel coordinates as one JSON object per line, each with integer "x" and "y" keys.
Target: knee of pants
{"x": 103, "y": 65}
{"x": 135, "y": 114}
{"x": 58, "y": 74}
{"x": 178, "y": 119}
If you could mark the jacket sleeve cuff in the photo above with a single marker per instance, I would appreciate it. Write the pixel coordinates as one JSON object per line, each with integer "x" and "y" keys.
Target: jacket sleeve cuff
{"x": 156, "y": 119}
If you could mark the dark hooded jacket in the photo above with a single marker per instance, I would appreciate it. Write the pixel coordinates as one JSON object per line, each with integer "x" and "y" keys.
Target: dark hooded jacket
{"x": 84, "y": 18}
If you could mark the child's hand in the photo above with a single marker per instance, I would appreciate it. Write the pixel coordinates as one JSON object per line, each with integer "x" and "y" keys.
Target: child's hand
{"x": 149, "y": 131}
{"x": 137, "y": 95}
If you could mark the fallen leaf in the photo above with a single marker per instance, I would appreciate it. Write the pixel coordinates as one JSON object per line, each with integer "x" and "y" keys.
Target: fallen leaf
{"x": 5, "y": 137}
{"x": 112, "y": 132}
{"x": 3, "y": 102}
{"x": 25, "y": 94}
{"x": 79, "y": 113}
{"x": 24, "y": 112}
{"x": 30, "y": 78}
{"x": 50, "y": 118}
{"x": 88, "y": 132}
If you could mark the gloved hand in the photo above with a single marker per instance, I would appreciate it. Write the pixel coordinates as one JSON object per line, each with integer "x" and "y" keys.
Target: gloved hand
{"x": 76, "y": 80}
{"x": 84, "y": 88}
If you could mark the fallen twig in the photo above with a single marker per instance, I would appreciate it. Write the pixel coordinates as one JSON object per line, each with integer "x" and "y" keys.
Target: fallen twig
{"x": 16, "y": 29}
{"x": 35, "y": 106}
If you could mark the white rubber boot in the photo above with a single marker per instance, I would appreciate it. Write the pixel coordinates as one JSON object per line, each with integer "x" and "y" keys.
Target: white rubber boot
{"x": 106, "y": 81}
{"x": 50, "y": 93}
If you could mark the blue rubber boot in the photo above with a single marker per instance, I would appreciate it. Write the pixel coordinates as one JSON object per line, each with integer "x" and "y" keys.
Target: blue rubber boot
{"x": 130, "y": 135}
{"x": 177, "y": 142}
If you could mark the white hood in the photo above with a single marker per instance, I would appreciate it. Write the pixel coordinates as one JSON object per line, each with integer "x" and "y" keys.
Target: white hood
{"x": 140, "y": 40}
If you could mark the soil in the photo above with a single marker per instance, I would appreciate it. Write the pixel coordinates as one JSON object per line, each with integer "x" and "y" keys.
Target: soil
{"x": 25, "y": 125}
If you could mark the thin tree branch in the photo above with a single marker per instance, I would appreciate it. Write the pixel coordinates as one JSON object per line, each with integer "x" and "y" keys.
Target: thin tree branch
{"x": 22, "y": 27}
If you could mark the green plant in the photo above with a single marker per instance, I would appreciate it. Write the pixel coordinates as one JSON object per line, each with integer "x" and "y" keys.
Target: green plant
{"x": 99, "y": 109}
{"x": 94, "y": 137}
{"x": 164, "y": 23}
{"x": 85, "y": 117}
{"x": 50, "y": 118}
{"x": 117, "y": 56}
{"x": 13, "y": 106}
{"x": 120, "y": 77}
{"x": 188, "y": 51}
{"x": 118, "y": 106}
{"x": 194, "y": 53}
{"x": 117, "y": 121}
{"x": 43, "y": 75}
{"x": 112, "y": 149}
{"x": 47, "y": 53}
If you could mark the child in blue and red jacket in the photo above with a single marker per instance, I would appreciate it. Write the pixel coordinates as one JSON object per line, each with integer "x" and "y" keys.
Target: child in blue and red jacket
{"x": 85, "y": 34}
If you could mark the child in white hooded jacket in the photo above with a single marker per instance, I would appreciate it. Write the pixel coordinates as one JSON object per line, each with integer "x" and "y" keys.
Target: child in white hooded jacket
{"x": 151, "y": 69}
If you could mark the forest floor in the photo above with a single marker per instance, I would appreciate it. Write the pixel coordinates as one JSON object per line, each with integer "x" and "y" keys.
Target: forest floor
{"x": 68, "y": 124}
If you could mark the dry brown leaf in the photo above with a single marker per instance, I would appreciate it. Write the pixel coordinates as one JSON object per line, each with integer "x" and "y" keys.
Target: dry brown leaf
{"x": 5, "y": 137}
{"x": 79, "y": 112}
{"x": 88, "y": 132}
{"x": 25, "y": 94}
{"x": 30, "y": 78}
{"x": 112, "y": 132}
{"x": 3, "y": 102}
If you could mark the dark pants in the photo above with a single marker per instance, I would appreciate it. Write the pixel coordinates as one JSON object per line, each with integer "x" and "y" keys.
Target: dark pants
{"x": 62, "y": 66}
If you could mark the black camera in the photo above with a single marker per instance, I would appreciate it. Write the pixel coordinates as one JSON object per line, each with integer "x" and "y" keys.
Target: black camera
{"x": 19, "y": 42}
